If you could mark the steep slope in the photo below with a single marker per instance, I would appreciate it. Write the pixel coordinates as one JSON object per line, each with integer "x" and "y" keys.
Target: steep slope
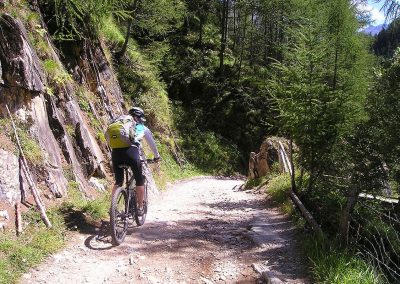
{"x": 60, "y": 105}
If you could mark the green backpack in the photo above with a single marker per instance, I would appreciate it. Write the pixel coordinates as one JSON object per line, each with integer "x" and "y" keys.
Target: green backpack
{"x": 120, "y": 132}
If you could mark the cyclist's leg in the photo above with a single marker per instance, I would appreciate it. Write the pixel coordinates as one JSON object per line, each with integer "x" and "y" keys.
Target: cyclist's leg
{"x": 136, "y": 165}
{"x": 117, "y": 157}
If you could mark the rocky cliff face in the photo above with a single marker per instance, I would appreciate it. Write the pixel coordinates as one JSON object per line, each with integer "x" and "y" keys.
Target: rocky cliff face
{"x": 59, "y": 104}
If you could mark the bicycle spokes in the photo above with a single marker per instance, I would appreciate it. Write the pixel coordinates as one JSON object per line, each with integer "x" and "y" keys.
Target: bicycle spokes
{"x": 119, "y": 215}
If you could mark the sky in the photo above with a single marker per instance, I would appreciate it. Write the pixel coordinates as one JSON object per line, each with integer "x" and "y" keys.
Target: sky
{"x": 376, "y": 14}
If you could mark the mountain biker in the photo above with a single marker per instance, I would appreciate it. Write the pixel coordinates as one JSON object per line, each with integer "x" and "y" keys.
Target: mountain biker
{"x": 131, "y": 156}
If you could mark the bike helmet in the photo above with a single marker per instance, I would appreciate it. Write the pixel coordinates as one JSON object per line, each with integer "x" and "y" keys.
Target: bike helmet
{"x": 138, "y": 112}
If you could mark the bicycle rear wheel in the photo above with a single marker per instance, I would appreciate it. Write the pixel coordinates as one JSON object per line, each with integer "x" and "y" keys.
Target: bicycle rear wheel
{"x": 119, "y": 215}
{"x": 140, "y": 219}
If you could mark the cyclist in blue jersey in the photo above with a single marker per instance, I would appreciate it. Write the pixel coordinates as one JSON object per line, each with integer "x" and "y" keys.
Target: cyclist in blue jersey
{"x": 131, "y": 156}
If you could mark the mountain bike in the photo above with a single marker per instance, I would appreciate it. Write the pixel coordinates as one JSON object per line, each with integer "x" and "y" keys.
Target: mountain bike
{"x": 124, "y": 203}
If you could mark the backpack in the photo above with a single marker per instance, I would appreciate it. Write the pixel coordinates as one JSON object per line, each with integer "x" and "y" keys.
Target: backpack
{"x": 120, "y": 132}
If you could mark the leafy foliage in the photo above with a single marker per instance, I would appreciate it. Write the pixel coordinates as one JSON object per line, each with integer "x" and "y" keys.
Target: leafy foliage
{"x": 75, "y": 19}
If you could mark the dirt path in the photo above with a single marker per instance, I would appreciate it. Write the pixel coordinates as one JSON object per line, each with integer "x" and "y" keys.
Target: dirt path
{"x": 200, "y": 231}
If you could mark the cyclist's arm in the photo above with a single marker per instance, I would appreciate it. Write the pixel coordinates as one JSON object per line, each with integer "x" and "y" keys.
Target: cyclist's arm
{"x": 152, "y": 143}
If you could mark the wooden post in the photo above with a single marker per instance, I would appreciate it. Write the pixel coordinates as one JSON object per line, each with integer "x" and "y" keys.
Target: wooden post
{"x": 292, "y": 171}
{"x": 28, "y": 175}
{"x": 18, "y": 218}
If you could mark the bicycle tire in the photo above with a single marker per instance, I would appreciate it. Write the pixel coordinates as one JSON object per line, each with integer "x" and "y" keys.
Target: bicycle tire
{"x": 119, "y": 216}
{"x": 141, "y": 219}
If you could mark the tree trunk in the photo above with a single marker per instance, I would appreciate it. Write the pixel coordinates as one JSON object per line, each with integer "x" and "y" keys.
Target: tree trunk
{"x": 120, "y": 54}
{"x": 251, "y": 59}
{"x": 224, "y": 31}
{"x": 345, "y": 216}
{"x": 200, "y": 40}
{"x": 242, "y": 48}
{"x": 234, "y": 28}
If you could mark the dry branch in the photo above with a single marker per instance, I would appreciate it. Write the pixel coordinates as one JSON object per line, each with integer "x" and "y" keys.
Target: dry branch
{"x": 176, "y": 150}
{"x": 32, "y": 186}
{"x": 307, "y": 215}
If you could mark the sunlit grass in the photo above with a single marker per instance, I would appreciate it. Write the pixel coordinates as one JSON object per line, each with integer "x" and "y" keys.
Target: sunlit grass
{"x": 332, "y": 265}
{"x": 18, "y": 254}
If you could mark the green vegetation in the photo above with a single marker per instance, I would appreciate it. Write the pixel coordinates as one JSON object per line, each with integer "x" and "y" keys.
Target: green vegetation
{"x": 55, "y": 72}
{"x": 76, "y": 19}
{"x": 332, "y": 264}
{"x": 29, "y": 249}
{"x": 278, "y": 188}
{"x": 68, "y": 172}
{"x": 96, "y": 209}
{"x": 83, "y": 99}
{"x": 170, "y": 170}
{"x": 31, "y": 148}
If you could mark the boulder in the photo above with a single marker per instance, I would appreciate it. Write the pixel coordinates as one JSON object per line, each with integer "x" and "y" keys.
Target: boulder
{"x": 262, "y": 163}
{"x": 4, "y": 215}
{"x": 19, "y": 63}
{"x": 9, "y": 177}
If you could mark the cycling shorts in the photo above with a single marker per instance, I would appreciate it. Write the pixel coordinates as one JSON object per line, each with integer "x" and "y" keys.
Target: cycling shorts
{"x": 127, "y": 156}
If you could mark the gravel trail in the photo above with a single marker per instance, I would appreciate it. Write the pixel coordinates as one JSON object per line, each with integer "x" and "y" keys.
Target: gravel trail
{"x": 204, "y": 230}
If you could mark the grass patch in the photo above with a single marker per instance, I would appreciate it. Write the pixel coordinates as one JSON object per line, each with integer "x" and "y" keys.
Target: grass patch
{"x": 31, "y": 148}
{"x": 111, "y": 32}
{"x": 334, "y": 265}
{"x": 84, "y": 97}
{"x": 97, "y": 208}
{"x": 251, "y": 183}
{"x": 29, "y": 144}
{"x": 51, "y": 67}
{"x": 18, "y": 254}
{"x": 278, "y": 188}
{"x": 55, "y": 72}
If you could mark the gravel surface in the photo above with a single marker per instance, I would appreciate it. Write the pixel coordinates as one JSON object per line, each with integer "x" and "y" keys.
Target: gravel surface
{"x": 205, "y": 230}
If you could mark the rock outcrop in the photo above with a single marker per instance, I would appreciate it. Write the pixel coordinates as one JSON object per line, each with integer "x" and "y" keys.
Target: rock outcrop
{"x": 50, "y": 111}
{"x": 9, "y": 178}
{"x": 269, "y": 158}
{"x": 19, "y": 63}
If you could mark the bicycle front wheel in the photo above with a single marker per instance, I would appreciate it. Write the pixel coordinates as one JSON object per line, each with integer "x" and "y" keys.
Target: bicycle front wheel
{"x": 119, "y": 215}
{"x": 140, "y": 219}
